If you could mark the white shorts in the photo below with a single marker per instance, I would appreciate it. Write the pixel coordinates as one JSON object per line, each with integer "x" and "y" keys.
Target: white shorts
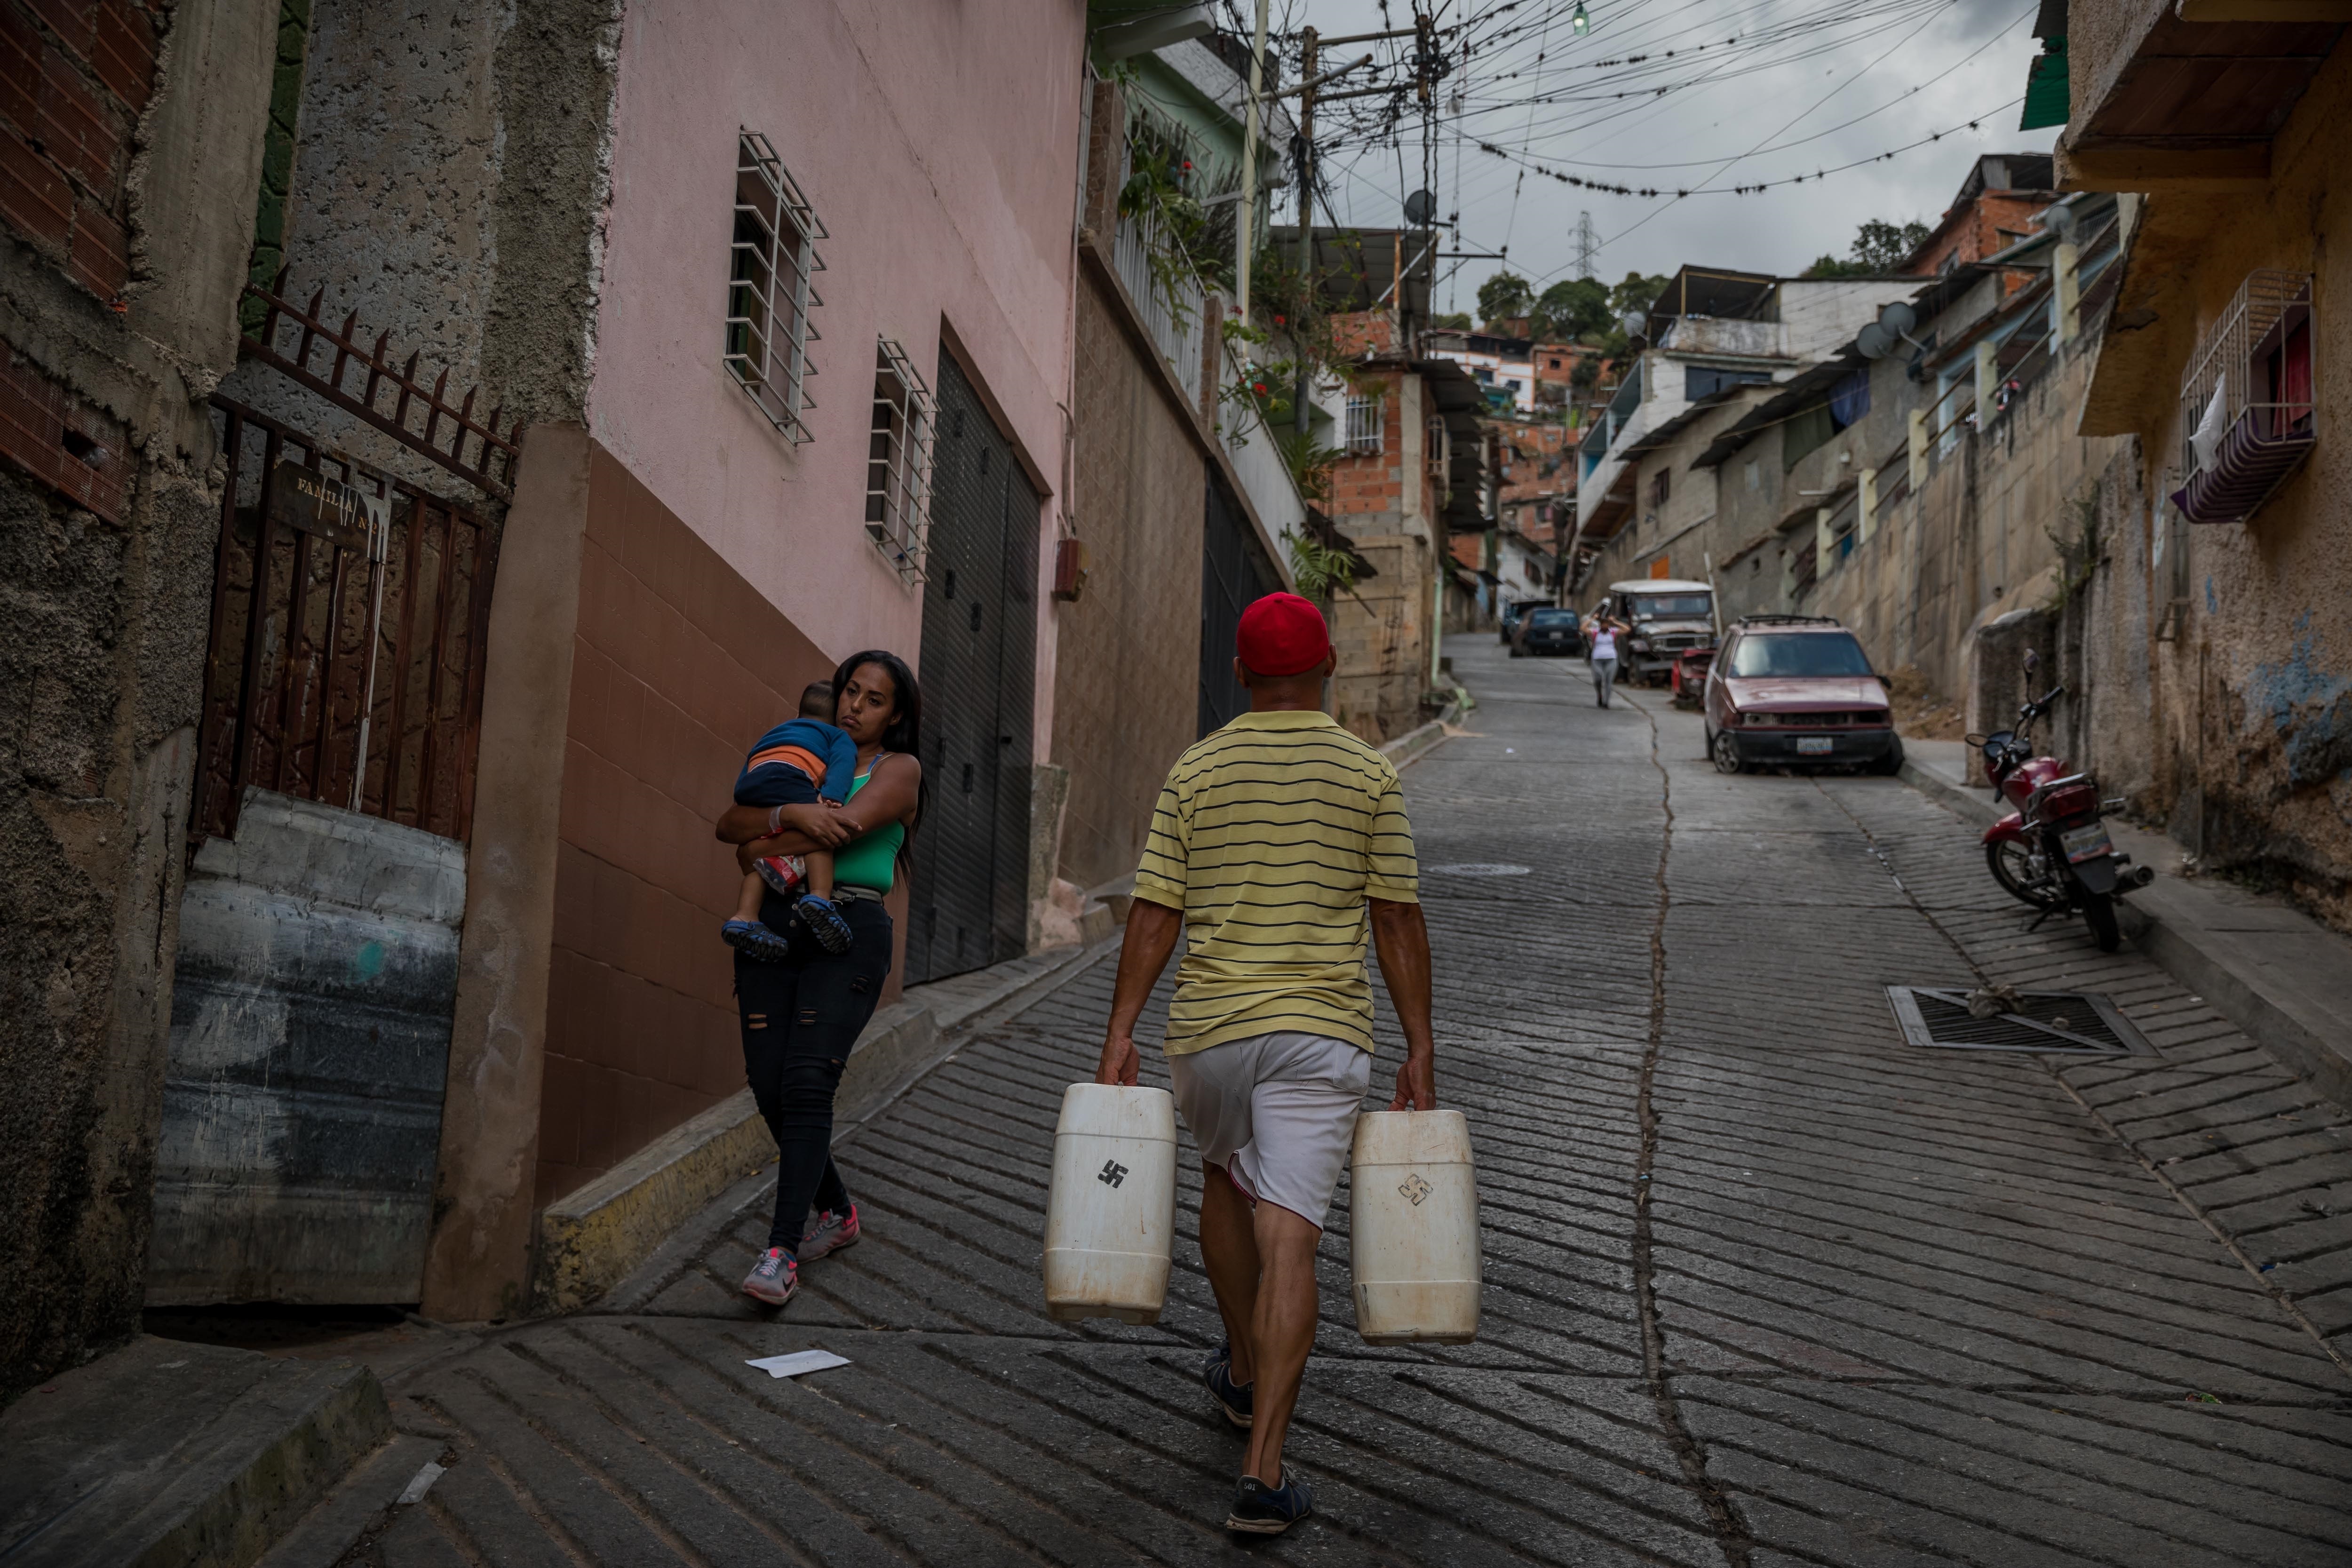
{"x": 1277, "y": 1113}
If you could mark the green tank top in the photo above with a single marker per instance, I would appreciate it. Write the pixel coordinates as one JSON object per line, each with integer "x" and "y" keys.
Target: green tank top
{"x": 870, "y": 861}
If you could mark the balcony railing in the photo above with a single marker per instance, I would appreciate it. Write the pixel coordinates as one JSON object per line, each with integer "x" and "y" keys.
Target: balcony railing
{"x": 1173, "y": 313}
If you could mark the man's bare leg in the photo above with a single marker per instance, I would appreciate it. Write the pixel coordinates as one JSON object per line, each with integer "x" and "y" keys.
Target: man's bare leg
{"x": 1229, "y": 1253}
{"x": 1282, "y": 1332}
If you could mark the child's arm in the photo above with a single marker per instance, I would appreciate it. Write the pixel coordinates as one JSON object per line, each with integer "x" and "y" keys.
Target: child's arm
{"x": 840, "y": 767}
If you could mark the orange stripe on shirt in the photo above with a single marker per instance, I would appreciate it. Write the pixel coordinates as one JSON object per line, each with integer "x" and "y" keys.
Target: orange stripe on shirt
{"x": 799, "y": 757}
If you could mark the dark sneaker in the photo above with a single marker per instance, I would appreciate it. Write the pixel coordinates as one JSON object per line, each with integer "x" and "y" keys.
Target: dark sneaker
{"x": 823, "y": 922}
{"x": 1234, "y": 1399}
{"x": 1262, "y": 1510}
{"x": 773, "y": 1278}
{"x": 829, "y": 1232}
{"x": 755, "y": 941}
{"x": 781, "y": 872}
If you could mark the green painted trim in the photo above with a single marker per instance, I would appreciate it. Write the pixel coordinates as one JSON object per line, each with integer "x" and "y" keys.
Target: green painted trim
{"x": 274, "y": 202}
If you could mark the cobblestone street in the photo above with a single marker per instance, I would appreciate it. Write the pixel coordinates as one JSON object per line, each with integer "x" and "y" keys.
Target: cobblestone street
{"x": 1765, "y": 1285}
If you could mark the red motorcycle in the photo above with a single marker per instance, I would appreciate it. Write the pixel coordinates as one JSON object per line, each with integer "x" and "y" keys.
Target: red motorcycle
{"x": 2053, "y": 851}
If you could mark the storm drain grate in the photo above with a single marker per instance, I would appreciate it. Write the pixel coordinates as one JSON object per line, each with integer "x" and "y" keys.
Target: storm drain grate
{"x": 2062, "y": 1023}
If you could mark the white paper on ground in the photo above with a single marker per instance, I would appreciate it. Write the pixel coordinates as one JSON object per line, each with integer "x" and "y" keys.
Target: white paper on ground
{"x": 421, "y": 1483}
{"x": 797, "y": 1362}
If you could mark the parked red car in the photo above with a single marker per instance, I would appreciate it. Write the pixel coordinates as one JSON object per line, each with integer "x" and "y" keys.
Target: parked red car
{"x": 1792, "y": 689}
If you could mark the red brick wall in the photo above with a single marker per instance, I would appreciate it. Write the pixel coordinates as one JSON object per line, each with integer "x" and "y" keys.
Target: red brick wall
{"x": 74, "y": 75}
{"x": 678, "y": 666}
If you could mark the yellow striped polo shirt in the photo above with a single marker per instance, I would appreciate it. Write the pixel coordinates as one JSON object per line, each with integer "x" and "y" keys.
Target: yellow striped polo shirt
{"x": 1269, "y": 835}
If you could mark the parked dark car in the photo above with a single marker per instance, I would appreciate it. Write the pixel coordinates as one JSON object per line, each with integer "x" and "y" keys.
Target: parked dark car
{"x": 1789, "y": 690}
{"x": 1548, "y": 629}
{"x": 1508, "y": 621}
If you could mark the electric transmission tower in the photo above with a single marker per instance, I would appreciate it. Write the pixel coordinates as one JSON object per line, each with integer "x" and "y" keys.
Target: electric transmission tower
{"x": 1587, "y": 244}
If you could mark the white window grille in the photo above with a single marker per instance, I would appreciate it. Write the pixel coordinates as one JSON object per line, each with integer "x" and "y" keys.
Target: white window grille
{"x": 769, "y": 293}
{"x": 2248, "y": 408}
{"x": 1364, "y": 422}
{"x": 898, "y": 461}
{"x": 1440, "y": 448}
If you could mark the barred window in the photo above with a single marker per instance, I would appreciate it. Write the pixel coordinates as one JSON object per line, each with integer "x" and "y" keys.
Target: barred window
{"x": 1439, "y": 455}
{"x": 898, "y": 461}
{"x": 1364, "y": 422}
{"x": 769, "y": 295}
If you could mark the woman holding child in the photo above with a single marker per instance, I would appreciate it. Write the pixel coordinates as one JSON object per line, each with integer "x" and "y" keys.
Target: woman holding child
{"x": 803, "y": 1003}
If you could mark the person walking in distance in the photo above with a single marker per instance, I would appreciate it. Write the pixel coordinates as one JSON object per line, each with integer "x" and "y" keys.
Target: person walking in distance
{"x": 1602, "y": 631}
{"x": 1278, "y": 845}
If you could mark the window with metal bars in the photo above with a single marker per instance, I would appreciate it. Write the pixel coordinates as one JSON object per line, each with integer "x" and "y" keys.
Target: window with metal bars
{"x": 898, "y": 461}
{"x": 1440, "y": 448}
{"x": 768, "y": 292}
{"x": 1364, "y": 422}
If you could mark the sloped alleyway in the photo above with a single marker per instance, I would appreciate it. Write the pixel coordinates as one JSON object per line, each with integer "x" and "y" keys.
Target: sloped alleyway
{"x": 1765, "y": 1285}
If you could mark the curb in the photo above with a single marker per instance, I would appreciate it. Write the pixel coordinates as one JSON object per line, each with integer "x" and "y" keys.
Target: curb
{"x": 593, "y": 1238}
{"x": 2278, "y": 976}
{"x": 1414, "y": 744}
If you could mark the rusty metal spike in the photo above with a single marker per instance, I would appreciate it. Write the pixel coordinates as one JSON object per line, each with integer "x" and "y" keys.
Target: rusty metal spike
{"x": 408, "y": 371}
{"x": 278, "y": 285}
{"x": 382, "y": 338}
{"x": 318, "y": 298}
{"x": 433, "y": 406}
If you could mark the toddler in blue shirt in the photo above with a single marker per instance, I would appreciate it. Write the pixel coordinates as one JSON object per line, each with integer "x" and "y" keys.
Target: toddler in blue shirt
{"x": 801, "y": 762}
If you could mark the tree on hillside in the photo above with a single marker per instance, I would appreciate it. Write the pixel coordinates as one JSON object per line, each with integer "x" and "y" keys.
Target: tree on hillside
{"x": 1879, "y": 247}
{"x": 1457, "y": 319}
{"x": 1571, "y": 308}
{"x": 1504, "y": 296}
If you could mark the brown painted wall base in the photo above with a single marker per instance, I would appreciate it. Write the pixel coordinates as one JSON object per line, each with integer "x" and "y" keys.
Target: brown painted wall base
{"x": 630, "y": 668}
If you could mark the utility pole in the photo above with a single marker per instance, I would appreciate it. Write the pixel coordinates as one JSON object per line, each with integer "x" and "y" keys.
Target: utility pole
{"x": 1306, "y": 219}
{"x": 1249, "y": 171}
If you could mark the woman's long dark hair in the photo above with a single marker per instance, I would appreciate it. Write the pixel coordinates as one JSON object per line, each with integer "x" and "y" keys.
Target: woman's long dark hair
{"x": 903, "y": 734}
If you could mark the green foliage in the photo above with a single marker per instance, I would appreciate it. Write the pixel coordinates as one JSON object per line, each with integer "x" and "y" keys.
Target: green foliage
{"x": 1457, "y": 319}
{"x": 1571, "y": 309}
{"x": 1504, "y": 296}
{"x": 1320, "y": 570}
{"x": 1879, "y": 247}
{"x": 1179, "y": 240}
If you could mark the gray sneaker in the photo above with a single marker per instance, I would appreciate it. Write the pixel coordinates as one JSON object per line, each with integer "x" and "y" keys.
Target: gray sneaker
{"x": 828, "y": 1232}
{"x": 773, "y": 1278}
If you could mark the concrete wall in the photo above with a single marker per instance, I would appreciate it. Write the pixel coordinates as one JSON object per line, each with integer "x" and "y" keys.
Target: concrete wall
{"x": 1128, "y": 675}
{"x": 311, "y": 1004}
{"x": 449, "y": 183}
{"x": 1385, "y": 629}
{"x": 2249, "y": 645}
{"x": 105, "y": 575}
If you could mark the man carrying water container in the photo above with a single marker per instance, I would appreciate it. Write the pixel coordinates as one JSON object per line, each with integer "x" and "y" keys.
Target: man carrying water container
{"x": 1278, "y": 844}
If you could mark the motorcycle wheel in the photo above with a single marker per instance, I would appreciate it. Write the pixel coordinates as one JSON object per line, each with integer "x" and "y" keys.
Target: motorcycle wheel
{"x": 1725, "y": 751}
{"x": 2008, "y": 862}
{"x": 2099, "y": 915}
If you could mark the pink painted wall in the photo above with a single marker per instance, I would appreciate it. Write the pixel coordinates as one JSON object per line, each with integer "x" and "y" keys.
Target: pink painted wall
{"x": 938, "y": 142}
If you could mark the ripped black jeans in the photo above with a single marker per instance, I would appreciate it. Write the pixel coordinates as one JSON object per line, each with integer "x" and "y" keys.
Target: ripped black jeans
{"x": 800, "y": 1019}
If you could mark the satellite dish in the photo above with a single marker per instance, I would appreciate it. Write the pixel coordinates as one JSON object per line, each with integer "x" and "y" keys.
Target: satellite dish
{"x": 1873, "y": 342}
{"x": 1898, "y": 319}
{"x": 2059, "y": 220}
{"x": 1633, "y": 321}
{"x": 1419, "y": 208}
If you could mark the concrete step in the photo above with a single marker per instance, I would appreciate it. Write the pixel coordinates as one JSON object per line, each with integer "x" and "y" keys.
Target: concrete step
{"x": 172, "y": 1454}
{"x": 377, "y": 1483}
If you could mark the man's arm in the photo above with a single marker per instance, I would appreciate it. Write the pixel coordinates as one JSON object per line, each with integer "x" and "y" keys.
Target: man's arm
{"x": 1150, "y": 937}
{"x": 1401, "y": 936}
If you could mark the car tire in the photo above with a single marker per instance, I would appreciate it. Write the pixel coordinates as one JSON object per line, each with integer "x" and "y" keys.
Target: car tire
{"x": 1889, "y": 765}
{"x": 1518, "y": 652}
{"x": 1724, "y": 752}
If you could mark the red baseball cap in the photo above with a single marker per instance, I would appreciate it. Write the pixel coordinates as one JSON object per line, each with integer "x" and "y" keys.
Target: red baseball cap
{"x": 1282, "y": 634}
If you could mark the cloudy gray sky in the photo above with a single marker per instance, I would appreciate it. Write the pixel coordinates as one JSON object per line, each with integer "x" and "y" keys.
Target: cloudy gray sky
{"x": 1754, "y": 92}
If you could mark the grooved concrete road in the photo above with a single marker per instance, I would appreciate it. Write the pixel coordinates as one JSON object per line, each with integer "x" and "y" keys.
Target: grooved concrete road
{"x": 1765, "y": 1285}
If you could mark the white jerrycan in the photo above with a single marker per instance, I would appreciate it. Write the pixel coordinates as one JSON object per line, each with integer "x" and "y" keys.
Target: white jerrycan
{"x": 1110, "y": 1217}
{"x": 1412, "y": 1216}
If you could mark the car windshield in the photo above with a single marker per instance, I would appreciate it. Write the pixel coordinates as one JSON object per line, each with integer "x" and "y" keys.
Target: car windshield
{"x": 1551, "y": 616}
{"x": 1652, "y": 604}
{"x": 1799, "y": 653}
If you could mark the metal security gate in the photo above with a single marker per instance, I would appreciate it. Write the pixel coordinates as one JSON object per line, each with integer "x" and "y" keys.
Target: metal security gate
{"x": 1233, "y": 571}
{"x": 969, "y": 904}
{"x": 350, "y": 613}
